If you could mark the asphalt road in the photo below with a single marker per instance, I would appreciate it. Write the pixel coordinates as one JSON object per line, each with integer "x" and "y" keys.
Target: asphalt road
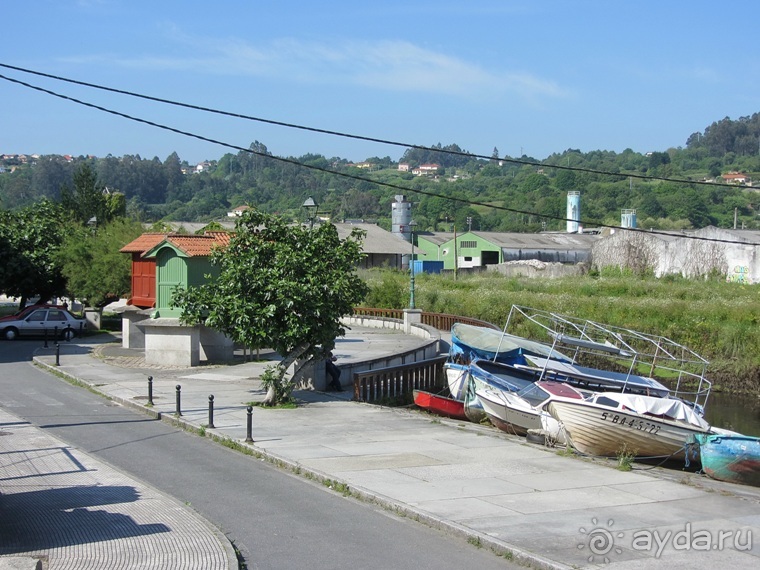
{"x": 275, "y": 519}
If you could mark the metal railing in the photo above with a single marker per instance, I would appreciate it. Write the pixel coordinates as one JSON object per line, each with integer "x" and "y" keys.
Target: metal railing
{"x": 394, "y": 382}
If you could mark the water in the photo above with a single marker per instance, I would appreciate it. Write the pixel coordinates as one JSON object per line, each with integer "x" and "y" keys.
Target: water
{"x": 737, "y": 412}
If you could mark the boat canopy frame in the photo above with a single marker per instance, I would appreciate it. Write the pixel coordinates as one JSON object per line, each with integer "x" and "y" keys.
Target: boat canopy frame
{"x": 577, "y": 337}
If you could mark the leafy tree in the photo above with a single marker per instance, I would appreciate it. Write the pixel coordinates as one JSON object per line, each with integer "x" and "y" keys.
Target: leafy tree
{"x": 28, "y": 242}
{"x": 279, "y": 286}
{"x": 96, "y": 272}
{"x": 86, "y": 200}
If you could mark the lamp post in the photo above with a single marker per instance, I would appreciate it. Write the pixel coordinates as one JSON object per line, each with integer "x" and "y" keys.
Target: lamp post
{"x": 311, "y": 210}
{"x": 412, "y": 225}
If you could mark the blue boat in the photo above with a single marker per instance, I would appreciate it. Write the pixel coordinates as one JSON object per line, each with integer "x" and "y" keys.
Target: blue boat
{"x": 730, "y": 457}
{"x": 469, "y": 342}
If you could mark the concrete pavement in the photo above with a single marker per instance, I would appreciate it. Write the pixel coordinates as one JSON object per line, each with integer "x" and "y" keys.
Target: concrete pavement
{"x": 536, "y": 505}
{"x": 61, "y": 508}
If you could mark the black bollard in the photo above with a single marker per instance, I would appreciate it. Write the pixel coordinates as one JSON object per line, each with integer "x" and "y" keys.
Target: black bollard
{"x": 178, "y": 412}
{"x": 55, "y": 334}
{"x": 46, "y": 344}
{"x": 150, "y": 390}
{"x": 211, "y": 411}
{"x": 57, "y": 354}
{"x": 249, "y": 426}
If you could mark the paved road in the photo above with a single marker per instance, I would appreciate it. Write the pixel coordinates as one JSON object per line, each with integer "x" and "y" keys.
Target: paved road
{"x": 276, "y": 520}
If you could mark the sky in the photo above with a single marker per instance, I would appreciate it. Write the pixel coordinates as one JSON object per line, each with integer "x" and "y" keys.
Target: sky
{"x": 527, "y": 77}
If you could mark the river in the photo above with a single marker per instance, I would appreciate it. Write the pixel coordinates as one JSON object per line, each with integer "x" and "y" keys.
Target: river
{"x": 737, "y": 412}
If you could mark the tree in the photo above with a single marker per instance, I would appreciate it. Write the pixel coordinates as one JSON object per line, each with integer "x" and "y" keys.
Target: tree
{"x": 96, "y": 272}
{"x": 28, "y": 242}
{"x": 86, "y": 200}
{"x": 279, "y": 286}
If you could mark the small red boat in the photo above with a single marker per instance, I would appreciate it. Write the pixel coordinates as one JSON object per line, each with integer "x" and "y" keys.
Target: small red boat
{"x": 440, "y": 405}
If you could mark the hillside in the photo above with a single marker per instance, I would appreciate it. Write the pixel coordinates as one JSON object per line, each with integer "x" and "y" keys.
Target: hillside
{"x": 533, "y": 190}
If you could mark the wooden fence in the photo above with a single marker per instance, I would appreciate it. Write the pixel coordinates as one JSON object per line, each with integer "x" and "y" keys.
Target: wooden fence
{"x": 440, "y": 321}
{"x": 385, "y": 384}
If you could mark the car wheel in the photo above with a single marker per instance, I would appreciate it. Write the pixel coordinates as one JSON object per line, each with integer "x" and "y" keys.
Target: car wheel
{"x": 10, "y": 333}
{"x": 68, "y": 334}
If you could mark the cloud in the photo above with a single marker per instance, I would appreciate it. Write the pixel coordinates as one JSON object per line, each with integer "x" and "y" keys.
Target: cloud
{"x": 389, "y": 65}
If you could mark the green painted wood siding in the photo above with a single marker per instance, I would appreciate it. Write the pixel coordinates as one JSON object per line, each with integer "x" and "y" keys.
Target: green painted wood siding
{"x": 171, "y": 271}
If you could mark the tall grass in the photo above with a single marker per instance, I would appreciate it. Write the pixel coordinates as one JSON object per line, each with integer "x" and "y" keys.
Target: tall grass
{"x": 719, "y": 320}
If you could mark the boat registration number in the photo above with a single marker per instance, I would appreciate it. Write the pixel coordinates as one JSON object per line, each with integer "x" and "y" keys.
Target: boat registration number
{"x": 630, "y": 422}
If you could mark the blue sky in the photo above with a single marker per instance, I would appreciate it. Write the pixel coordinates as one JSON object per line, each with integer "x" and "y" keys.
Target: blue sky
{"x": 524, "y": 76}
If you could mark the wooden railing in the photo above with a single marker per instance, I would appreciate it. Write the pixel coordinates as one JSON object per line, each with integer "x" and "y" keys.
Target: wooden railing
{"x": 387, "y": 384}
{"x": 440, "y": 321}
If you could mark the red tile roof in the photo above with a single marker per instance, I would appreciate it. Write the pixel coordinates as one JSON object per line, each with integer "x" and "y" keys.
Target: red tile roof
{"x": 192, "y": 245}
{"x": 199, "y": 246}
{"x": 144, "y": 243}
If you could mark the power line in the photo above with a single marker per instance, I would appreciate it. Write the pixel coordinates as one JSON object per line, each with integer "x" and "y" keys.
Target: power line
{"x": 362, "y": 137}
{"x": 349, "y": 175}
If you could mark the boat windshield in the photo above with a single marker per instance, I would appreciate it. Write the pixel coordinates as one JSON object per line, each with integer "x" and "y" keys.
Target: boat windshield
{"x": 533, "y": 395}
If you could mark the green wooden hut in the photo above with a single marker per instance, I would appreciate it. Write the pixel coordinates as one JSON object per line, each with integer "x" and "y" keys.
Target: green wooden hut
{"x": 184, "y": 261}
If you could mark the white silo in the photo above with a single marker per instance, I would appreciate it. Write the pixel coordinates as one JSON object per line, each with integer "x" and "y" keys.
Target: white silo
{"x": 573, "y": 211}
{"x": 401, "y": 215}
{"x": 628, "y": 218}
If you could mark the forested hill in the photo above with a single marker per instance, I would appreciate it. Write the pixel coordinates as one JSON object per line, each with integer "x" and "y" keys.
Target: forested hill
{"x": 174, "y": 190}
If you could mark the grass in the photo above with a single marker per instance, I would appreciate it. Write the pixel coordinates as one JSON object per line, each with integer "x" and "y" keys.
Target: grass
{"x": 718, "y": 320}
{"x": 625, "y": 458}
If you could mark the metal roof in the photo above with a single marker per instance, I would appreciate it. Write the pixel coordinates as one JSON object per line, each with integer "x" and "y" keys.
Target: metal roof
{"x": 517, "y": 240}
{"x": 377, "y": 239}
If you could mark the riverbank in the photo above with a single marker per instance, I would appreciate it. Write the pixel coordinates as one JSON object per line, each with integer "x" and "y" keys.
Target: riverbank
{"x": 718, "y": 320}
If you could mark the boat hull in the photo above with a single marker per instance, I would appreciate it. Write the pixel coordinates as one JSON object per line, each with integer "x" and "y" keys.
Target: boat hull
{"x": 516, "y": 422}
{"x": 456, "y": 379}
{"x": 440, "y": 405}
{"x": 597, "y": 430}
{"x": 732, "y": 458}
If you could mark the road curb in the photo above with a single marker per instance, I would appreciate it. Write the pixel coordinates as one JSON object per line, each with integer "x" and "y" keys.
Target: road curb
{"x": 499, "y": 547}
{"x": 220, "y": 536}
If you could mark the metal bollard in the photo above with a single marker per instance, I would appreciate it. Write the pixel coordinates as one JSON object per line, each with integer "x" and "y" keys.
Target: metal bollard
{"x": 178, "y": 411}
{"x": 57, "y": 354}
{"x": 249, "y": 425}
{"x": 46, "y": 344}
{"x": 211, "y": 411}
{"x": 150, "y": 390}
{"x": 55, "y": 334}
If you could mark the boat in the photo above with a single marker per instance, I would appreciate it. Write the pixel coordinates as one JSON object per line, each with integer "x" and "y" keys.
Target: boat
{"x": 440, "y": 405}
{"x": 469, "y": 342}
{"x": 734, "y": 458}
{"x": 488, "y": 374}
{"x": 610, "y": 423}
{"x": 525, "y": 410}
{"x": 610, "y": 358}
{"x": 499, "y": 375}
{"x": 456, "y": 378}
{"x": 596, "y": 379}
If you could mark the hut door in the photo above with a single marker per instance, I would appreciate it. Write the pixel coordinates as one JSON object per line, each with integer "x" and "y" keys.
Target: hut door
{"x": 171, "y": 273}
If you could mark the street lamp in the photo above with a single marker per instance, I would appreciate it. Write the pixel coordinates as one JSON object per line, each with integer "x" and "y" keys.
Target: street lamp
{"x": 412, "y": 225}
{"x": 311, "y": 210}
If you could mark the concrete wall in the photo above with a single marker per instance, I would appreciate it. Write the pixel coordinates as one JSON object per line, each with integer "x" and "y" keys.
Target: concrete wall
{"x": 132, "y": 336}
{"x": 215, "y": 346}
{"x": 171, "y": 344}
{"x": 312, "y": 374}
{"x": 539, "y": 269}
{"x": 677, "y": 254}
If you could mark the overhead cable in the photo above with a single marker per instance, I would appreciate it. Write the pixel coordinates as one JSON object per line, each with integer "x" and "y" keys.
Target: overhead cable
{"x": 349, "y": 175}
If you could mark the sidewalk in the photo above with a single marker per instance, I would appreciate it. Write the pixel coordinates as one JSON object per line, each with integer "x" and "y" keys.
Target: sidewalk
{"x": 61, "y": 508}
{"x": 547, "y": 509}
